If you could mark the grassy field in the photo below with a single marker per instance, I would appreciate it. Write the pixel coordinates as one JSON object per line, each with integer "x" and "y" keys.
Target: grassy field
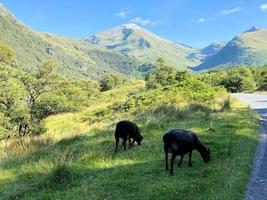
{"x": 74, "y": 159}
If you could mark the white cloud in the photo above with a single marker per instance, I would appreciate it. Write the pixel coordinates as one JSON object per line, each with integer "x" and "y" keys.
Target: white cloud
{"x": 145, "y": 22}
{"x": 201, "y": 20}
{"x": 263, "y": 7}
{"x": 123, "y": 13}
{"x": 141, "y": 21}
{"x": 230, "y": 11}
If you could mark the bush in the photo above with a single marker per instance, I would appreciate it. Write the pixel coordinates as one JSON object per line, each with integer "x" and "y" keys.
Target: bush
{"x": 110, "y": 81}
{"x": 198, "y": 91}
{"x": 238, "y": 83}
{"x": 163, "y": 75}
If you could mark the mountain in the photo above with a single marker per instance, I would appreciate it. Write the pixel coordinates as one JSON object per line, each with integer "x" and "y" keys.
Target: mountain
{"x": 212, "y": 49}
{"x": 126, "y": 49}
{"x": 146, "y": 47}
{"x": 252, "y": 29}
{"x": 249, "y": 48}
{"x": 76, "y": 58}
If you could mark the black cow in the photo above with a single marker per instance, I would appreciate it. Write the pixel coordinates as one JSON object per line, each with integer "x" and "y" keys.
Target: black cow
{"x": 181, "y": 142}
{"x": 127, "y": 130}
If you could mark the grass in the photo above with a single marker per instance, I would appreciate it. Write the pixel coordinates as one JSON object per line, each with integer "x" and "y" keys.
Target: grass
{"x": 75, "y": 159}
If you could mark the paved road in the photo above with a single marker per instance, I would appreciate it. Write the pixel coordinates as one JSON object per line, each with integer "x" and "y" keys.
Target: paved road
{"x": 257, "y": 187}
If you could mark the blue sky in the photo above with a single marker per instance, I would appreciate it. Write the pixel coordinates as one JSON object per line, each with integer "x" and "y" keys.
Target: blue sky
{"x": 192, "y": 22}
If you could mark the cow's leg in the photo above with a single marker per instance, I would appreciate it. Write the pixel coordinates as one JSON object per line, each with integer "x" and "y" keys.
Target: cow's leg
{"x": 190, "y": 161}
{"x": 172, "y": 160}
{"x": 117, "y": 143}
{"x": 124, "y": 144}
{"x": 20, "y": 128}
{"x": 181, "y": 160}
{"x": 129, "y": 140}
{"x": 166, "y": 158}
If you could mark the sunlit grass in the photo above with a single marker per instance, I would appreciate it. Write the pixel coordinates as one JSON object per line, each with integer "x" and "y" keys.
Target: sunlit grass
{"x": 75, "y": 159}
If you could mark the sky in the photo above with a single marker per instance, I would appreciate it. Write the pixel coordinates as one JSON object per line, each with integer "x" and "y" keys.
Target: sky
{"x": 192, "y": 22}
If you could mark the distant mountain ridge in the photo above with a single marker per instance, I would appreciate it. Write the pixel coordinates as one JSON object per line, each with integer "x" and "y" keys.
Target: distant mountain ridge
{"x": 247, "y": 49}
{"x": 127, "y": 49}
{"x": 76, "y": 58}
{"x": 132, "y": 40}
{"x": 212, "y": 49}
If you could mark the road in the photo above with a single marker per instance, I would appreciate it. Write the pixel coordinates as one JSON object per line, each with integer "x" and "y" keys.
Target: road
{"x": 257, "y": 187}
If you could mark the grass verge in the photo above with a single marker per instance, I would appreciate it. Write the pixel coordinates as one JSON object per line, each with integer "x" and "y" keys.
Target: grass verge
{"x": 81, "y": 164}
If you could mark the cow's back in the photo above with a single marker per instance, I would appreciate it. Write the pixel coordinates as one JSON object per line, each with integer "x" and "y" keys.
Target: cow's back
{"x": 125, "y": 128}
{"x": 181, "y": 139}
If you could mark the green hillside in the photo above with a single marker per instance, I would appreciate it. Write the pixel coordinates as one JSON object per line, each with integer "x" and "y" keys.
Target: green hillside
{"x": 132, "y": 40}
{"x": 75, "y": 58}
{"x": 248, "y": 49}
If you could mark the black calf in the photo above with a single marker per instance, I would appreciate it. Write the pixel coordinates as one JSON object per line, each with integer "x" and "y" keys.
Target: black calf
{"x": 127, "y": 130}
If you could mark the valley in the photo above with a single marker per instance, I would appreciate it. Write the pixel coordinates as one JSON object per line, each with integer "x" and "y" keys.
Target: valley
{"x": 61, "y": 99}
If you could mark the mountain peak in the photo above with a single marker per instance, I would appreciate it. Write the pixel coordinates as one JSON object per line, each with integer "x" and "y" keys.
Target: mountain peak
{"x": 130, "y": 26}
{"x": 212, "y": 49}
{"x": 252, "y": 29}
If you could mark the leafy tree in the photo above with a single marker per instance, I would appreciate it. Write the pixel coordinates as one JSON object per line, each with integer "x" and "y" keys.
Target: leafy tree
{"x": 181, "y": 76}
{"x": 260, "y": 77}
{"x": 163, "y": 75}
{"x": 196, "y": 90}
{"x": 90, "y": 88}
{"x": 25, "y": 100}
{"x": 111, "y": 81}
{"x": 50, "y": 104}
{"x": 41, "y": 82}
{"x": 238, "y": 83}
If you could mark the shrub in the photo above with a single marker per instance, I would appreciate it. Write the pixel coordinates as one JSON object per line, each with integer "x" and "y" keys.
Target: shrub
{"x": 196, "y": 90}
{"x": 163, "y": 75}
{"x": 238, "y": 83}
{"x": 111, "y": 81}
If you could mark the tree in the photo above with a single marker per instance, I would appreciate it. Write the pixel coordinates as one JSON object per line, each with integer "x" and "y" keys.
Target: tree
{"x": 181, "y": 76}
{"x": 111, "y": 81}
{"x": 27, "y": 98}
{"x": 20, "y": 95}
{"x": 41, "y": 82}
{"x": 90, "y": 88}
{"x": 163, "y": 75}
{"x": 12, "y": 108}
{"x": 238, "y": 83}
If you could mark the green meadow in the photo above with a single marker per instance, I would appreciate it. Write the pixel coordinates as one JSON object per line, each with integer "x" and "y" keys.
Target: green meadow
{"x": 74, "y": 158}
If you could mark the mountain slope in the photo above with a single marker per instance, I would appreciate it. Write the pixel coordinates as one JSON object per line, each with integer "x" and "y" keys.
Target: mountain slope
{"x": 132, "y": 40}
{"x": 250, "y": 49}
{"x": 76, "y": 58}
